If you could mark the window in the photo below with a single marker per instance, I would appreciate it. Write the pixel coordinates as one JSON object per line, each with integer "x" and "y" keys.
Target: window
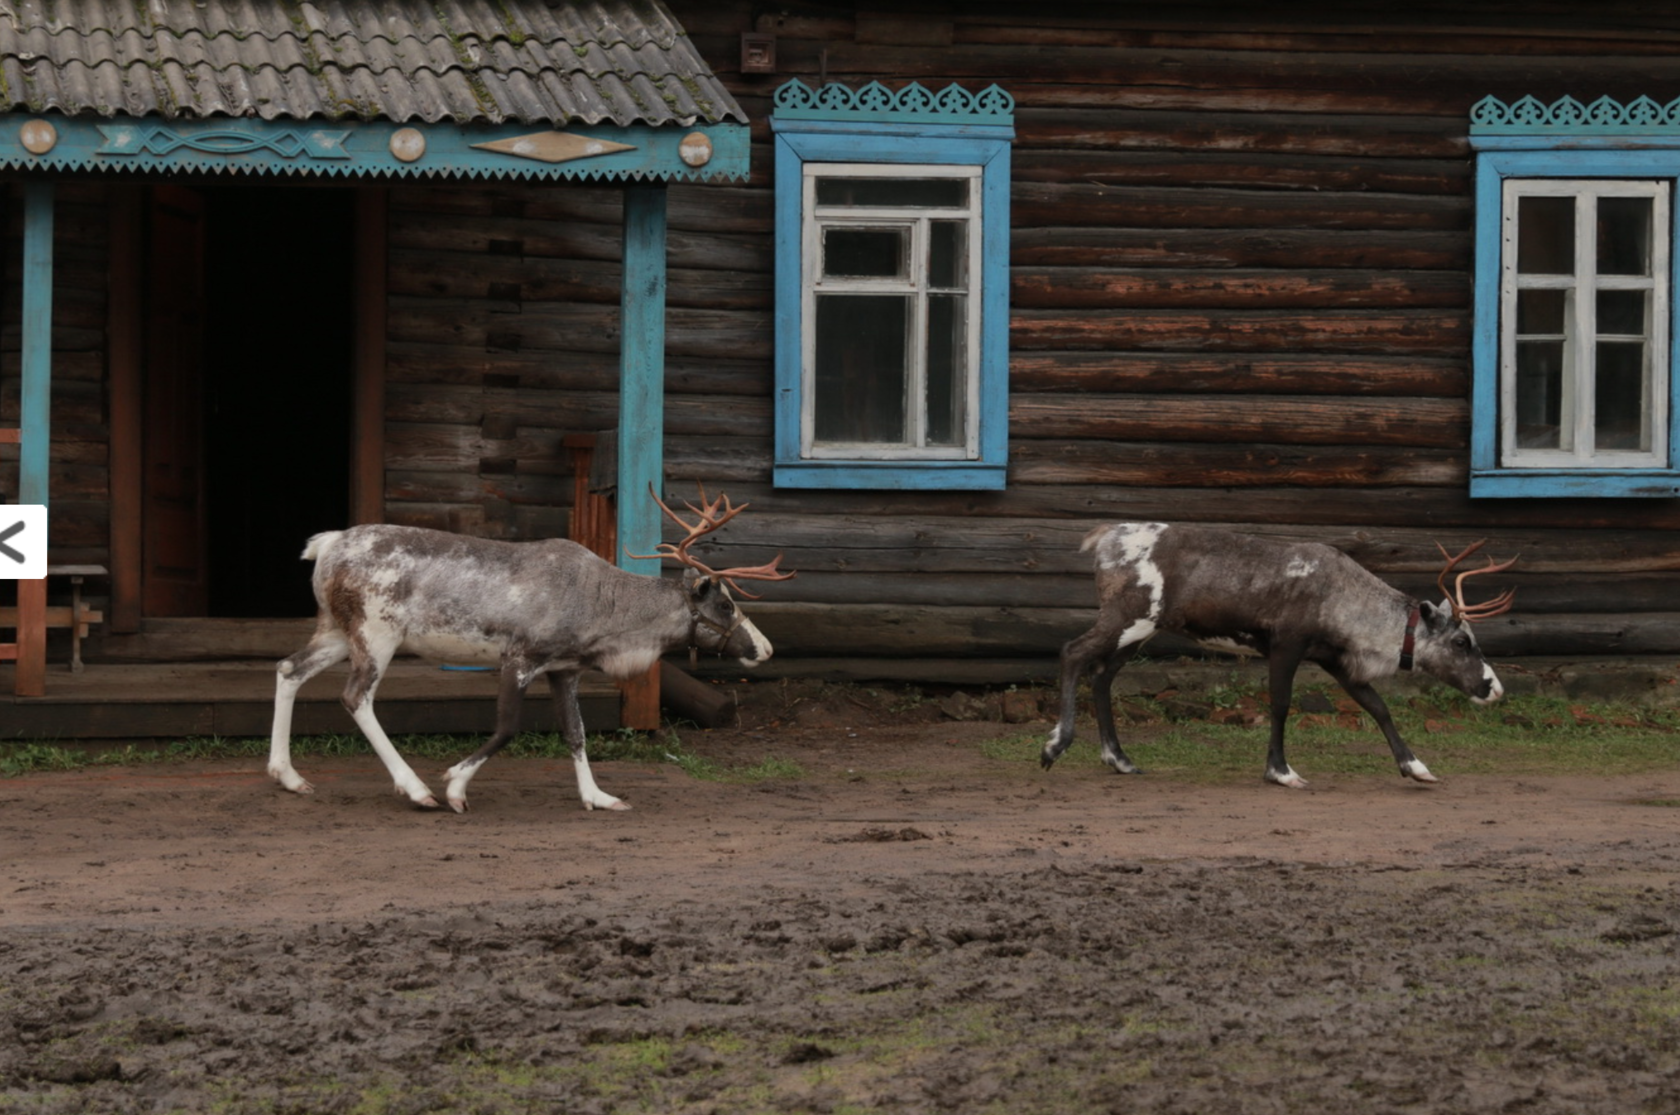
{"x": 1581, "y": 348}
{"x": 892, "y": 299}
{"x": 1574, "y": 365}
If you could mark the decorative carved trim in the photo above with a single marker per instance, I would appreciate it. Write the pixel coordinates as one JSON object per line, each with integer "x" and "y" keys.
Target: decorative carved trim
{"x": 914, "y": 103}
{"x": 158, "y": 139}
{"x": 1566, "y": 115}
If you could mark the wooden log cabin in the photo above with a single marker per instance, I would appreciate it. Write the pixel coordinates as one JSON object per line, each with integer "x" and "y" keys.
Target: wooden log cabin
{"x": 994, "y": 275}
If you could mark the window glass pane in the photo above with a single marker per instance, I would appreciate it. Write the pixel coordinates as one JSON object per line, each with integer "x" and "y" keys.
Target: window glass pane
{"x": 947, "y": 251}
{"x": 1540, "y": 395}
{"x": 947, "y": 360}
{"x": 873, "y": 253}
{"x": 1541, "y": 311}
{"x": 1624, "y": 236}
{"x": 1621, "y": 311}
{"x": 1546, "y": 235}
{"x": 860, "y": 368}
{"x": 1621, "y": 421}
{"x": 909, "y": 193}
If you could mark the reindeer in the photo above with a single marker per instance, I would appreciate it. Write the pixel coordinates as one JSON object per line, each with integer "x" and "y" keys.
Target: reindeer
{"x": 550, "y": 607}
{"x": 1288, "y": 602}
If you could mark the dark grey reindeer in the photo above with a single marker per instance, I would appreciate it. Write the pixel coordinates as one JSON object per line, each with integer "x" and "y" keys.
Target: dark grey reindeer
{"x": 1288, "y": 602}
{"x": 532, "y": 608}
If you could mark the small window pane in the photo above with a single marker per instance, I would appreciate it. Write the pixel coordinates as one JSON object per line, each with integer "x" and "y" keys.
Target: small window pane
{"x": 1540, "y": 395}
{"x": 1541, "y": 311}
{"x": 947, "y": 248}
{"x": 905, "y": 193}
{"x": 860, "y": 365}
{"x": 947, "y": 357}
{"x": 1621, "y": 311}
{"x": 1620, "y": 412}
{"x": 1624, "y": 236}
{"x": 1546, "y": 235}
{"x": 864, "y": 253}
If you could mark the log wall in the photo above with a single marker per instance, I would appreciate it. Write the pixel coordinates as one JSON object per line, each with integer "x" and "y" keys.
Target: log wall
{"x": 1240, "y": 294}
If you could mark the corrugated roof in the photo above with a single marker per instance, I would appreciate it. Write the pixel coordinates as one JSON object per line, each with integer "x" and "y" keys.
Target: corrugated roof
{"x": 467, "y": 61}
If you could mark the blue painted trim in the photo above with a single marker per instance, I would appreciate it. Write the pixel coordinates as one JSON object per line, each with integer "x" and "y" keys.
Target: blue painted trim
{"x": 1568, "y": 116}
{"x": 1587, "y": 483}
{"x": 984, "y": 145}
{"x": 1497, "y": 160}
{"x": 794, "y": 100}
{"x": 35, "y": 398}
{"x": 893, "y": 475}
{"x": 357, "y": 149}
{"x": 641, "y": 395}
{"x": 1484, "y": 338}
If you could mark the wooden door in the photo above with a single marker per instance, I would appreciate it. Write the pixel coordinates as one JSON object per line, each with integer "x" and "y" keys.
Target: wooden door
{"x": 174, "y": 577}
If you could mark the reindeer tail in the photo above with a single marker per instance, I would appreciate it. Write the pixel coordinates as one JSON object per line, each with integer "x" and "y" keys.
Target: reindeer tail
{"x": 319, "y": 544}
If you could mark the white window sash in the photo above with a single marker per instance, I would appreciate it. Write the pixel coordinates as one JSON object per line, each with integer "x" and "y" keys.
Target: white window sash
{"x": 915, "y": 285}
{"x": 1578, "y": 416}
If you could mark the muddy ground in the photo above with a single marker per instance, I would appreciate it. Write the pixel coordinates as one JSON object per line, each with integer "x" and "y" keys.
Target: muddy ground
{"x": 910, "y": 925}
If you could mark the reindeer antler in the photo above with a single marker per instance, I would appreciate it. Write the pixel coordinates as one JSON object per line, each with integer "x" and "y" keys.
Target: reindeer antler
{"x": 1473, "y": 613}
{"x": 713, "y": 514}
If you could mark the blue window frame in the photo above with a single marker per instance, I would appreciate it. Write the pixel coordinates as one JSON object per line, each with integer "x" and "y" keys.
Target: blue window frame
{"x": 892, "y": 287}
{"x": 1575, "y": 364}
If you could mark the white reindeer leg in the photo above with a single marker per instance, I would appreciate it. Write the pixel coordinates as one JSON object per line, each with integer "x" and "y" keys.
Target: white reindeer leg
{"x": 367, "y": 666}
{"x": 323, "y": 650}
{"x": 564, "y": 689}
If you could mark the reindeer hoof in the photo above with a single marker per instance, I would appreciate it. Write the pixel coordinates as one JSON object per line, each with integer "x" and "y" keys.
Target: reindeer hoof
{"x": 611, "y": 803}
{"x": 427, "y": 802}
{"x": 291, "y": 780}
{"x": 1287, "y": 778}
{"x": 459, "y": 805}
{"x": 1417, "y": 772}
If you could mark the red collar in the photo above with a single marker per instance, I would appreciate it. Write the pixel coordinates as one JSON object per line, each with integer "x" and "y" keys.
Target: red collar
{"x": 1410, "y": 645}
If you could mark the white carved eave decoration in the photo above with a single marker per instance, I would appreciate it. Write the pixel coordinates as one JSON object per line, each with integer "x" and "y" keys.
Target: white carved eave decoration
{"x": 554, "y": 147}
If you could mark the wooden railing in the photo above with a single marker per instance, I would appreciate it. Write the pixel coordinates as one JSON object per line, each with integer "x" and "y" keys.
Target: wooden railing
{"x": 595, "y": 526}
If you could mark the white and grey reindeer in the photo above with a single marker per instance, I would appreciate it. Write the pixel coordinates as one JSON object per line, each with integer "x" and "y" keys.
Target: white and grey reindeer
{"x": 1288, "y": 602}
{"x": 547, "y": 607}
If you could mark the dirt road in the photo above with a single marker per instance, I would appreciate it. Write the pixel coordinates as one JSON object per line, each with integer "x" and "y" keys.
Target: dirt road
{"x": 909, "y": 926}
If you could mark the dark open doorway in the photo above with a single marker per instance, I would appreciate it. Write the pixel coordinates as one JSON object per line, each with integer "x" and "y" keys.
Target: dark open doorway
{"x": 277, "y": 389}
{"x": 249, "y": 390}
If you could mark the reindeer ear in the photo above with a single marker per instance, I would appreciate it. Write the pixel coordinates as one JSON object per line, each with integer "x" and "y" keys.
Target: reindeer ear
{"x": 1436, "y": 617}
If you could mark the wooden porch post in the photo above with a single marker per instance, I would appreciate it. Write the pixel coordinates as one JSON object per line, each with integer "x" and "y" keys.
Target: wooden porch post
{"x": 641, "y": 403}
{"x": 35, "y": 424}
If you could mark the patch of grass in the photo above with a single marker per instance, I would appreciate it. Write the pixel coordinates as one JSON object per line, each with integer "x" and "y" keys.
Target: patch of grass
{"x": 1520, "y": 735}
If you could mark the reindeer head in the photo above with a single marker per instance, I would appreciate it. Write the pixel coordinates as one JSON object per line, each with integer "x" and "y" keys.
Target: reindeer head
{"x": 715, "y": 623}
{"x": 1445, "y": 645}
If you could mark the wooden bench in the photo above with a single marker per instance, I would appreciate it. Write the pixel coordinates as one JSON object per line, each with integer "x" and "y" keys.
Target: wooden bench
{"x": 76, "y": 615}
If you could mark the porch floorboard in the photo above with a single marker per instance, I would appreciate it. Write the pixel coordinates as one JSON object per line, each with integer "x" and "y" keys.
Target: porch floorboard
{"x": 236, "y": 698}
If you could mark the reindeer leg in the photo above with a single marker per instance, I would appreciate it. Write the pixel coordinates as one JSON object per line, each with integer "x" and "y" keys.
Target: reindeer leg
{"x": 1108, "y": 642}
{"x": 325, "y": 649}
{"x": 367, "y": 666}
{"x": 510, "y": 698}
{"x": 564, "y": 689}
{"x": 1102, "y": 695}
{"x": 1282, "y": 662}
{"x": 1371, "y": 701}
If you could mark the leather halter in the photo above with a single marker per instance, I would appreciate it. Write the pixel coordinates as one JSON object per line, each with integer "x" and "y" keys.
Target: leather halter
{"x": 696, "y": 621}
{"x": 1410, "y": 645}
